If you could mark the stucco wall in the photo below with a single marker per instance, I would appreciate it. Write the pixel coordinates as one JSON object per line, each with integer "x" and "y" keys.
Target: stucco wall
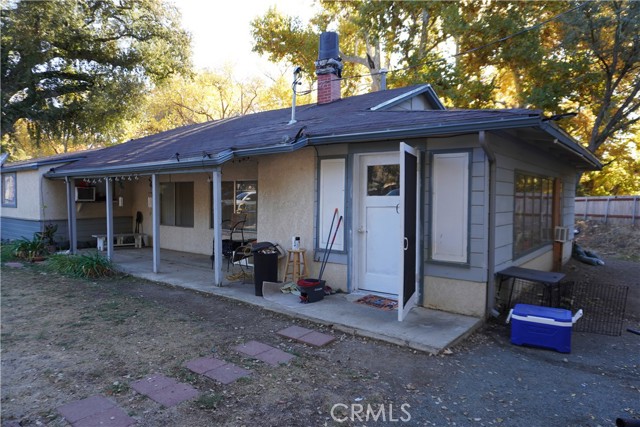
{"x": 287, "y": 186}
{"x": 456, "y": 296}
{"x": 28, "y": 196}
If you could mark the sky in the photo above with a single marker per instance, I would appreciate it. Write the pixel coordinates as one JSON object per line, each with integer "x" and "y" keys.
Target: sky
{"x": 221, "y": 32}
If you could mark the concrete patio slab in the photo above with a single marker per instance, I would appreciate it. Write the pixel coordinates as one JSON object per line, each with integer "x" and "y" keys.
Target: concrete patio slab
{"x": 226, "y": 374}
{"x": 95, "y": 411}
{"x": 164, "y": 390}
{"x": 204, "y": 364}
{"x": 423, "y": 329}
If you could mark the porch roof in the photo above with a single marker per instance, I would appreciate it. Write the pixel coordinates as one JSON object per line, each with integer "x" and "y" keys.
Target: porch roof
{"x": 350, "y": 119}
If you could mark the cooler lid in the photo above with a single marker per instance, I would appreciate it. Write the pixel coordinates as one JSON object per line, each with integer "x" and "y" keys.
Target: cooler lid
{"x": 557, "y": 314}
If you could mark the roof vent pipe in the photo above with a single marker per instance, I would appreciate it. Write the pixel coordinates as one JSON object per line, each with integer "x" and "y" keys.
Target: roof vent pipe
{"x": 294, "y": 88}
{"x": 383, "y": 78}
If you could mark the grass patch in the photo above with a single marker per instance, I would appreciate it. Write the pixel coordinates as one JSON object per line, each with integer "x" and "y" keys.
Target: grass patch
{"x": 88, "y": 266}
{"x": 208, "y": 401}
{"x": 8, "y": 252}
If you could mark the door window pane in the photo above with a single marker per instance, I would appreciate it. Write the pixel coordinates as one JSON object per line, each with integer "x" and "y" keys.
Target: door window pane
{"x": 383, "y": 180}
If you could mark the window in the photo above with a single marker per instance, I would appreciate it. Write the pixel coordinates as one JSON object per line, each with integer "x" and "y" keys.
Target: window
{"x": 532, "y": 212}
{"x": 9, "y": 193}
{"x": 240, "y": 197}
{"x": 176, "y": 204}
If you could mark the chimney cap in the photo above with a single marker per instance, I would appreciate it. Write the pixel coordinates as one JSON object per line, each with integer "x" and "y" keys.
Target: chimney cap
{"x": 329, "y": 46}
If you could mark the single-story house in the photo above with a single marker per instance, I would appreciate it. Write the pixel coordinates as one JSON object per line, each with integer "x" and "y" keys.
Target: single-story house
{"x": 434, "y": 201}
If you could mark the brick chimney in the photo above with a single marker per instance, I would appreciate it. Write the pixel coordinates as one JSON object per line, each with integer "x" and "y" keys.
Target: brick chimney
{"x": 328, "y": 68}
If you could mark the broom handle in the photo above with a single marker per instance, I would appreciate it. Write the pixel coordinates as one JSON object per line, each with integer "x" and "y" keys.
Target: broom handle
{"x": 325, "y": 255}
{"x": 330, "y": 247}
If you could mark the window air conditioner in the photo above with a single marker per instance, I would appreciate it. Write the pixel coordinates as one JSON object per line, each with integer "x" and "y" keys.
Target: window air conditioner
{"x": 85, "y": 194}
{"x": 561, "y": 234}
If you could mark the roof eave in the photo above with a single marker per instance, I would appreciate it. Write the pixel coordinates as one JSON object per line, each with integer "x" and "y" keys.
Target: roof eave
{"x": 569, "y": 143}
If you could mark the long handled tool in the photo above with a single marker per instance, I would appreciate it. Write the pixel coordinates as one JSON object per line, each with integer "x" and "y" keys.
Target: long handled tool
{"x": 326, "y": 247}
{"x": 330, "y": 248}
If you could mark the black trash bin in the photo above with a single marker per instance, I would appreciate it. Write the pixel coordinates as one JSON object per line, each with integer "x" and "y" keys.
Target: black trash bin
{"x": 265, "y": 264}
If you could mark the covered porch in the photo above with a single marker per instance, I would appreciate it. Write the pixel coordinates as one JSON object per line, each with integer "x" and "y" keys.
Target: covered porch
{"x": 423, "y": 329}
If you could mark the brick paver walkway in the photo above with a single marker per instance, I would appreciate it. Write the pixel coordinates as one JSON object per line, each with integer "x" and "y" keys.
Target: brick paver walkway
{"x": 95, "y": 411}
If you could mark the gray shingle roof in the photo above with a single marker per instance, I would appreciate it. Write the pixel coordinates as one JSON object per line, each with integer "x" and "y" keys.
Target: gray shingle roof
{"x": 346, "y": 120}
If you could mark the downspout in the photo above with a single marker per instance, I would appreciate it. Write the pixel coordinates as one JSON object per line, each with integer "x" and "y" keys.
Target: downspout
{"x": 491, "y": 234}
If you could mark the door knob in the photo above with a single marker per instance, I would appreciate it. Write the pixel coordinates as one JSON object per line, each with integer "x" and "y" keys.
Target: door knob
{"x": 361, "y": 230}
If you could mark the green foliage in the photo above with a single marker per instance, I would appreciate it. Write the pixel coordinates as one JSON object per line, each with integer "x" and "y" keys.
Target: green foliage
{"x": 582, "y": 57}
{"x": 29, "y": 249}
{"x": 88, "y": 266}
{"x": 48, "y": 235}
{"x": 73, "y": 70}
{"x": 7, "y": 252}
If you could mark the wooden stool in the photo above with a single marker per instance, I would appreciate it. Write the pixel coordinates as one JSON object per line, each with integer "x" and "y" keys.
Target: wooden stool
{"x": 296, "y": 265}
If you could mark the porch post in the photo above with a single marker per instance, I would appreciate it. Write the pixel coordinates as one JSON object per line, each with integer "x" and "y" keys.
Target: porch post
{"x": 217, "y": 226}
{"x": 109, "y": 203}
{"x": 71, "y": 215}
{"x": 155, "y": 195}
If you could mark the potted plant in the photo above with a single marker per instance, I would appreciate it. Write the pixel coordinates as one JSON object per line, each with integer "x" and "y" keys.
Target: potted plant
{"x": 48, "y": 236}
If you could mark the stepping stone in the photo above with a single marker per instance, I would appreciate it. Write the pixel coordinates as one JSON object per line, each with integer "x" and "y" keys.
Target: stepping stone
{"x": 226, "y": 374}
{"x": 95, "y": 411}
{"x": 14, "y": 264}
{"x": 204, "y": 364}
{"x": 264, "y": 352}
{"x": 164, "y": 390}
{"x": 275, "y": 357}
{"x": 217, "y": 369}
{"x": 307, "y": 336}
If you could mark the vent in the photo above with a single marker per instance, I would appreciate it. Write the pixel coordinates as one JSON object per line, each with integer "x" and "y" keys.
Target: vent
{"x": 561, "y": 234}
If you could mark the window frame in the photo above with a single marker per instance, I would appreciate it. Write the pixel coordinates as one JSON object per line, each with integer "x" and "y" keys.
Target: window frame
{"x": 176, "y": 208}
{"x": 10, "y": 203}
{"x": 539, "y": 219}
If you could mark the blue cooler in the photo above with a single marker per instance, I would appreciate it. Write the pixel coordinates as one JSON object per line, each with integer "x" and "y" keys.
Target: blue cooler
{"x": 545, "y": 327}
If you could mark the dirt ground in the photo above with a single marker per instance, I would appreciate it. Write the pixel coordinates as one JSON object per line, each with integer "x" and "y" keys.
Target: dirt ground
{"x": 67, "y": 339}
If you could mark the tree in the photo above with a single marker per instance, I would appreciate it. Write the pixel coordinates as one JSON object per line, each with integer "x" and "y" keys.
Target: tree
{"x": 206, "y": 96}
{"x": 555, "y": 56}
{"x": 72, "y": 70}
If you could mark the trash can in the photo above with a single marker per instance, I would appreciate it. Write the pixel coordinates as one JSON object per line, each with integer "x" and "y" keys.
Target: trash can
{"x": 265, "y": 264}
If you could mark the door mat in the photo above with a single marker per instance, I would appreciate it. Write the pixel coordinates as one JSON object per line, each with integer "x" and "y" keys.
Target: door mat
{"x": 378, "y": 302}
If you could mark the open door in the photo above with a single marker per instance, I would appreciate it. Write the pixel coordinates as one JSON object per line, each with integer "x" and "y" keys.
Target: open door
{"x": 408, "y": 295}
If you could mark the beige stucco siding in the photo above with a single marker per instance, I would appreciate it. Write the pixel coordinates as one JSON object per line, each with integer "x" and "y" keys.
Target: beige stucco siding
{"x": 287, "y": 186}
{"x": 456, "y": 296}
{"x": 28, "y": 196}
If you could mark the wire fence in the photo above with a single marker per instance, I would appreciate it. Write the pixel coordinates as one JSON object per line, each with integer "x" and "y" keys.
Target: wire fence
{"x": 603, "y": 306}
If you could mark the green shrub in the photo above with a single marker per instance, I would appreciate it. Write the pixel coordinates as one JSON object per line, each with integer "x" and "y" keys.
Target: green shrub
{"x": 86, "y": 265}
{"x": 7, "y": 251}
{"x": 29, "y": 249}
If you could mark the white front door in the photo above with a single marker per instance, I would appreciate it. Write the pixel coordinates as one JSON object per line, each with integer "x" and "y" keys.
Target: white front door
{"x": 378, "y": 223}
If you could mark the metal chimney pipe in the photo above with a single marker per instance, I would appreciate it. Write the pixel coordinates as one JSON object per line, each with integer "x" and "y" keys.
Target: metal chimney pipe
{"x": 294, "y": 86}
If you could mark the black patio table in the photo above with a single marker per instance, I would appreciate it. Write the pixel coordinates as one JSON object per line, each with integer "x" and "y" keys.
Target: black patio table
{"x": 549, "y": 279}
